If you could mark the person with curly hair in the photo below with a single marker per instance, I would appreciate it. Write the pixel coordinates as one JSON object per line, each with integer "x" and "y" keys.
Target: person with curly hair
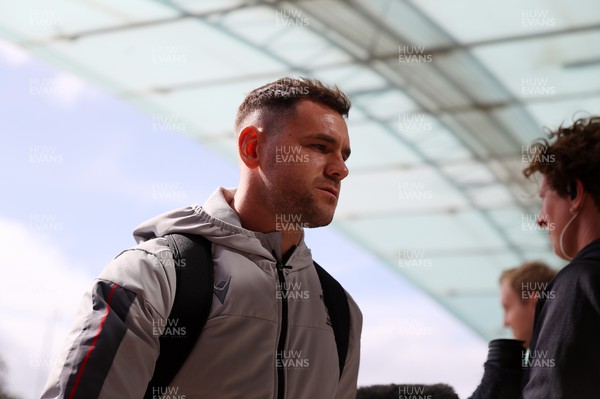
{"x": 564, "y": 357}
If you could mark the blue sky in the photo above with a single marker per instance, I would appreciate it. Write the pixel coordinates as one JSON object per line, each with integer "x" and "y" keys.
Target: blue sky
{"x": 80, "y": 169}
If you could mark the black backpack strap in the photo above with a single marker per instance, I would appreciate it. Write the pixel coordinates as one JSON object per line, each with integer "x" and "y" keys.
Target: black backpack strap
{"x": 192, "y": 256}
{"x": 336, "y": 302}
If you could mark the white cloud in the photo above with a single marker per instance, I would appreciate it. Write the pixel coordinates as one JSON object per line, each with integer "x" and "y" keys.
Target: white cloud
{"x": 63, "y": 89}
{"x": 13, "y": 54}
{"x": 38, "y": 301}
{"x": 71, "y": 89}
{"x": 409, "y": 341}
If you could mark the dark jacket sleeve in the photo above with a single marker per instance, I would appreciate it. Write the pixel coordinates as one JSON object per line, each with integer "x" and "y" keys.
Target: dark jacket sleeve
{"x": 502, "y": 371}
{"x": 565, "y": 357}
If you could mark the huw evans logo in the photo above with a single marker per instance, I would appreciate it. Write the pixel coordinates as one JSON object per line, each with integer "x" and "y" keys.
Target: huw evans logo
{"x": 167, "y": 259}
{"x": 290, "y": 154}
{"x": 535, "y": 290}
{"x": 414, "y": 191}
{"x": 42, "y": 17}
{"x": 44, "y": 154}
{"x": 167, "y": 328}
{"x": 45, "y": 222}
{"x": 290, "y": 18}
{"x": 414, "y": 392}
{"x": 42, "y": 360}
{"x": 537, "y": 19}
{"x": 413, "y": 55}
{"x": 414, "y": 327}
{"x": 289, "y": 290}
{"x": 168, "y": 54}
{"x": 168, "y": 123}
{"x": 529, "y": 222}
{"x": 286, "y": 87}
{"x": 537, "y": 154}
{"x": 537, "y": 87}
{"x": 414, "y": 123}
{"x": 292, "y": 359}
{"x": 537, "y": 359}
{"x": 45, "y": 87}
{"x": 167, "y": 393}
{"x": 168, "y": 191}
{"x": 413, "y": 258}
{"x": 289, "y": 222}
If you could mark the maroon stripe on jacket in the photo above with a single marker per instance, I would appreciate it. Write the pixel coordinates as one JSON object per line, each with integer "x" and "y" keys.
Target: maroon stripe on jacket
{"x": 106, "y": 329}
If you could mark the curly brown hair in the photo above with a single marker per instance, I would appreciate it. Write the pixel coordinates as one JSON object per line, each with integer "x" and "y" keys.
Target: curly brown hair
{"x": 573, "y": 154}
{"x": 281, "y": 96}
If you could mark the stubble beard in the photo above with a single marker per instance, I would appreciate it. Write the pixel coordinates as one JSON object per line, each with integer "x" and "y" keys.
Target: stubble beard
{"x": 301, "y": 205}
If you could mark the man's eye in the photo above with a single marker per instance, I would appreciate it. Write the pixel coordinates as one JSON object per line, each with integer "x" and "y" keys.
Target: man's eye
{"x": 319, "y": 147}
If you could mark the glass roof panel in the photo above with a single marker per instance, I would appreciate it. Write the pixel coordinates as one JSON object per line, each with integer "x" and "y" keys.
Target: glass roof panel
{"x": 352, "y": 79}
{"x": 205, "y": 6}
{"x": 431, "y": 138}
{"x": 416, "y": 28}
{"x": 553, "y": 114}
{"x": 467, "y": 106}
{"x": 469, "y": 173}
{"x": 397, "y": 192}
{"x": 546, "y": 68}
{"x": 258, "y": 25}
{"x": 383, "y": 105}
{"x": 451, "y": 232}
{"x": 35, "y": 20}
{"x": 490, "y": 196}
{"x": 356, "y": 27}
{"x": 165, "y": 58}
{"x": 471, "y": 21}
{"x": 374, "y": 147}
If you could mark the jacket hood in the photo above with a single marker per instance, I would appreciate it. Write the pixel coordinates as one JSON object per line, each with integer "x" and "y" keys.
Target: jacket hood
{"x": 220, "y": 224}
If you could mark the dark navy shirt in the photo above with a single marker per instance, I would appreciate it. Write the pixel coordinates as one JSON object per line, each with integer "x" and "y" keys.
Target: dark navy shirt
{"x": 564, "y": 359}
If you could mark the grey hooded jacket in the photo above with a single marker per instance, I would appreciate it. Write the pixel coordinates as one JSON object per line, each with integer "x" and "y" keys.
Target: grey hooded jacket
{"x": 113, "y": 346}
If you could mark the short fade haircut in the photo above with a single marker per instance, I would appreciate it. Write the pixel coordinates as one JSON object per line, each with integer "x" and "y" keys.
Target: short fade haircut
{"x": 530, "y": 277}
{"x": 574, "y": 154}
{"x": 278, "y": 98}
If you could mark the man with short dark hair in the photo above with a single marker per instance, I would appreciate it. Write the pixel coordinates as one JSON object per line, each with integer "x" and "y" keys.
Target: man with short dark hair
{"x": 520, "y": 289}
{"x": 268, "y": 333}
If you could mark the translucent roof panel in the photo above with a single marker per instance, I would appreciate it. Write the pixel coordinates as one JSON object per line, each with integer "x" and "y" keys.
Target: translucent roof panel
{"x": 555, "y": 67}
{"x": 375, "y": 147}
{"x": 34, "y": 21}
{"x": 488, "y": 21}
{"x": 445, "y": 96}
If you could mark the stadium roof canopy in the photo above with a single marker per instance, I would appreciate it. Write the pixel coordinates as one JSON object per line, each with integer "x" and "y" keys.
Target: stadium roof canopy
{"x": 446, "y": 95}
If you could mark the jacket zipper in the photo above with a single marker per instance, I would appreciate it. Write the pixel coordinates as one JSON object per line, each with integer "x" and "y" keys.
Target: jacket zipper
{"x": 283, "y": 332}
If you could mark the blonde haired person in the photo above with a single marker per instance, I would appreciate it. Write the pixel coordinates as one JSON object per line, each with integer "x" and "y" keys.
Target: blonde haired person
{"x": 520, "y": 289}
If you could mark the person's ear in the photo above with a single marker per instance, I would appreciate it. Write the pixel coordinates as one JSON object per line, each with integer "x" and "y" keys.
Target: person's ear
{"x": 577, "y": 196}
{"x": 248, "y": 146}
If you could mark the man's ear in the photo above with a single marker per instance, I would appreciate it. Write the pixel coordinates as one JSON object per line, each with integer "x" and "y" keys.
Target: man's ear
{"x": 577, "y": 196}
{"x": 248, "y": 146}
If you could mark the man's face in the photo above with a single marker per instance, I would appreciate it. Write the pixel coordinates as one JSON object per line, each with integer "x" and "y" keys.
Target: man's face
{"x": 554, "y": 217}
{"x": 304, "y": 163}
{"x": 518, "y": 313}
